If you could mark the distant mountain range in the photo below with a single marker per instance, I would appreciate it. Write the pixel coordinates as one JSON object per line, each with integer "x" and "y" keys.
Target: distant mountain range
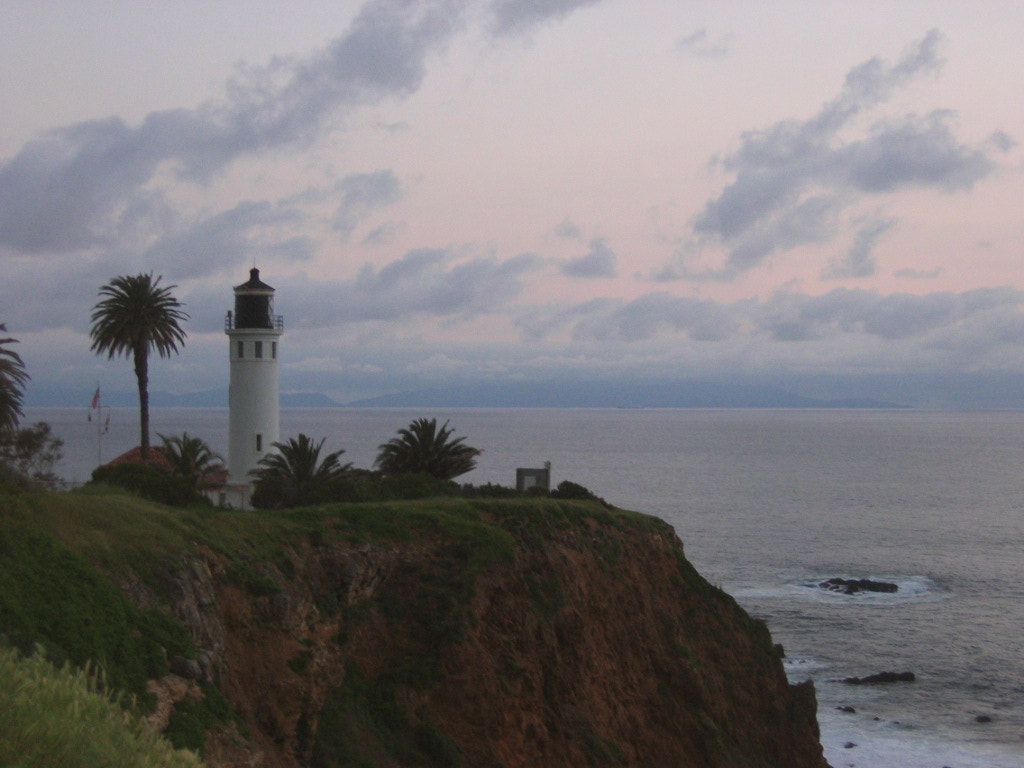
{"x": 544, "y": 394}
{"x": 213, "y": 398}
{"x": 959, "y": 391}
{"x": 640, "y": 394}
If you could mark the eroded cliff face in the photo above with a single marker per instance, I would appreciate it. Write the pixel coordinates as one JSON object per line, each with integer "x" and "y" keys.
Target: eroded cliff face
{"x": 562, "y": 635}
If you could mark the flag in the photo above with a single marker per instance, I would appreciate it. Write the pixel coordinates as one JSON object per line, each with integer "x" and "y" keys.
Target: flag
{"x": 96, "y": 399}
{"x": 106, "y": 425}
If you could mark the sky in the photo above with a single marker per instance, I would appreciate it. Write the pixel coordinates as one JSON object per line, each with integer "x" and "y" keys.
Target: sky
{"x": 555, "y": 190}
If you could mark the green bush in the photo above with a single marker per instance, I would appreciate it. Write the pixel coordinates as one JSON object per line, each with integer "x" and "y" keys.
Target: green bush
{"x": 58, "y": 717}
{"x": 193, "y": 717}
{"x": 150, "y": 482}
{"x": 490, "y": 491}
{"x": 361, "y": 485}
{"x": 30, "y": 454}
{"x": 570, "y": 490}
{"x": 52, "y": 597}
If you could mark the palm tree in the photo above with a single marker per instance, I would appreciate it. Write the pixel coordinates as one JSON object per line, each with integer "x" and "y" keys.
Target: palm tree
{"x": 422, "y": 447}
{"x": 12, "y": 383}
{"x": 135, "y": 316}
{"x": 294, "y": 475}
{"x": 193, "y": 459}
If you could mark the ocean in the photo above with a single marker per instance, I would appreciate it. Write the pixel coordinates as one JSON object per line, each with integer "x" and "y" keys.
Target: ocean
{"x": 769, "y": 503}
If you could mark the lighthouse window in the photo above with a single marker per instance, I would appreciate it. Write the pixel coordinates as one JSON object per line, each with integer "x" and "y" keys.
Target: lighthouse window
{"x": 258, "y": 346}
{"x": 259, "y": 442}
{"x": 273, "y": 350}
{"x": 241, "y": 350}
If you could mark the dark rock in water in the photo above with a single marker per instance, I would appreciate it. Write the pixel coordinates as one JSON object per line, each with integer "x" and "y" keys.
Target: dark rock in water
{"x": 853, "y": 586}
{"x": 848, "y": 709}
{"x": 983, "y": 719}
{"x": 779, "y": 650}
{"x": 849, "y": 745}
{"x": 881, "y": 677}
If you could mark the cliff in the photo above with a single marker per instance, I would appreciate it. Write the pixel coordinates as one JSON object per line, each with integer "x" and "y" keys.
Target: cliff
{"x": 452, "y": 632}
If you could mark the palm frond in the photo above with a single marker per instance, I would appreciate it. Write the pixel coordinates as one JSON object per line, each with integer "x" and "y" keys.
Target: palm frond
{"x": 12, "y": 383}
{"x": 422, "y": 447}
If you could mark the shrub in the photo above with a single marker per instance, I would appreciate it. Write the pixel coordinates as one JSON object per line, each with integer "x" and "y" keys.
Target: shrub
{"x": 570, "y": 490}
{"x": 28, "y": 456}
{"x": 51, "y": 597}
{"x": 150, "y": 482}
{"x": 193, "y": 717}
{"x": 490, "y": 491}
{"x": 59, "y": 717}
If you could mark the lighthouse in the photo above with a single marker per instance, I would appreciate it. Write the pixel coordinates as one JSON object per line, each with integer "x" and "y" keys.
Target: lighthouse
{"x": 254, "y": 408}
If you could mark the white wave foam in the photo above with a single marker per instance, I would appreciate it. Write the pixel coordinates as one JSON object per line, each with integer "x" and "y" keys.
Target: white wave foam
{"x": 801, "y": 667}
{"x": 883, "y": 745}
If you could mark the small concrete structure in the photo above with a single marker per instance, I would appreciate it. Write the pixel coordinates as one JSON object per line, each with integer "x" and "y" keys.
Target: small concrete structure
{"x": 527, "y": 478}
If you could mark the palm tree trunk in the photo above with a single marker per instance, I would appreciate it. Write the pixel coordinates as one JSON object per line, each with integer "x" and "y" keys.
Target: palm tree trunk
{"x": 142, "y": 378}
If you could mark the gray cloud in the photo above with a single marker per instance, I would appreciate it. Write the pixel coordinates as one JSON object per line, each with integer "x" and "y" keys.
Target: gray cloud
{"x": 787, "y": 319}
{"x": 513, "y": 17}
{"x": 859, "y": 260}
{"x": 362, "y": 193}
{"x": 383, "y": 234}
{"x": 913, "y": 152}
{"x": 812, "y": 220}
{"x": 654, "y": 314}
{"x": 69, "y": 189}
{"x": 793, "y": 179}
{"x": 599, "y": 261}
{"x": 227, "y": 239}
{"x": 918, "y": 274}
{"x": 422, "y": 283}
{"x": 568, "y": 230}
{"x": 700, "y": 43}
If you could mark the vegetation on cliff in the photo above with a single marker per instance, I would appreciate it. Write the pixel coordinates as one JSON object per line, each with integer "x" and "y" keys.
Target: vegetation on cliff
{"x": 447, "y": 631}
{"x": 63, "y": 717}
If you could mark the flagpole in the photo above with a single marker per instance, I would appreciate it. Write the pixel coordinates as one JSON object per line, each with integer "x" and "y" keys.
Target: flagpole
{"x": 97, "y": 402}
{"x": 101, "y": 425}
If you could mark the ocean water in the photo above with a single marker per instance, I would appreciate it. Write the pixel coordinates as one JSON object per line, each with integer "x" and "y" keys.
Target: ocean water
{"x": 769, "y": 503}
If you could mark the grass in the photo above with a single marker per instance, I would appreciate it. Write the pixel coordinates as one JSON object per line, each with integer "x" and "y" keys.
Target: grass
{"x": 52, "y": 596}
{"x": 59, "y": 717}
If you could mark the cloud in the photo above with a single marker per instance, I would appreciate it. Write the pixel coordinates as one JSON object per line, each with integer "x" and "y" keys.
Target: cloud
{"x": 793, "y": 317}
{"x": 515, "y": 17}
{"x": 231, "y": 238}
{"x": 568, "y": 230}
{"x": 700, "y": 43}
{"x": 859, "y": 260}
{"x": 424, "y": 283}
{"x": 918, "y": 274}
{"x": 846, "y": 318}
{"x": 793, "y": 179}
{"x": 915, "y": 151}
{"x": 383, "y": 234}
{"x": 599, "y": 261}
{"x": 70, "y": 188}
{"x": 812, "y": 220}
{"x": 642, "y": 319}
{"x": 360, "y": 194}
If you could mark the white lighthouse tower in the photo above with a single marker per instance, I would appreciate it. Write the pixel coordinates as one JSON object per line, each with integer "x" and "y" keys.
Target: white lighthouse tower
{"x": 254, "y": 408}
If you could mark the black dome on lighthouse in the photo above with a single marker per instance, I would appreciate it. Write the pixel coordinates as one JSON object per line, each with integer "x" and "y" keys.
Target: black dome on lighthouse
{"x": 254, "y": 284}
{"x": 254, "y": 303}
